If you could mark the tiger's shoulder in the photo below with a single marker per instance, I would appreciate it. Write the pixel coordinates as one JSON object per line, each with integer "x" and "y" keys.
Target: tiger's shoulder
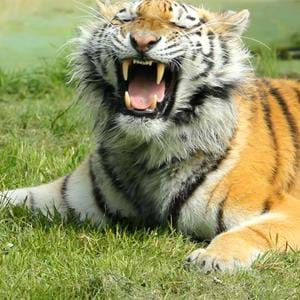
{"x": 268, "y": 136}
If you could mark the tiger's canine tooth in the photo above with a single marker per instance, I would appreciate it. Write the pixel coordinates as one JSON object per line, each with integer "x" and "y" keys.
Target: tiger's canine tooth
{"x": 127, "y": 100}
{"x": 160, "y": 72}
{"x": 154, "y": 102}
{"x": 125, "y": 67}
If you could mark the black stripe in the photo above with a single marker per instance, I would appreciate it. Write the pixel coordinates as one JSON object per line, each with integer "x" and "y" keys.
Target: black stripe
{"x": 198, "y": 24}
{"x": 209, "y": 58}
{"x": 63, "y": 191}
{"x": 292, "y": 126}
{"x": 92, "y": 77}
{"x": 221, "y": 227}
{"x": 171, "y": 46}
{"x": 119, "y": 186}
{"x": 100, "y": 200}
{"x": 133, "y": 194}
{"x": 269, "y": 123}
{"x": 96, "y": 59}
{"x": 165, "y": 7}
{"x": 178, "y": 26}
{"x": 191, "y": 18}
{"x": 122, "y": 187}
{"x": 116, "y": 47}
{"x": 94, "y": 56}
{"x": 222, "y": 92}
{"x": 181, "y": 198}
{"x": 118, "y": 42}
{"x": 100, "y": 33}
{"x": 195, "y": 50}
{"x": 288, "y": 115}
{"x": 184, "y": 137}
{"x": 189, "y": 187}
{"x": 98, "y": 197}
{"x": 103, "y": 64}
{"x": 184, "y": 7}
{"x": 267, "y": 206}
{"x": 104, "y": 32}
{"x": 298, "y": 94}
{"x": 186, "y": 115}
{"x": 225, "y": 55}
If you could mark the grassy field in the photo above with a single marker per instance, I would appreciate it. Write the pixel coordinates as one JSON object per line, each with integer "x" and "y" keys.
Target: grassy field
{"x": 44, "y": 135}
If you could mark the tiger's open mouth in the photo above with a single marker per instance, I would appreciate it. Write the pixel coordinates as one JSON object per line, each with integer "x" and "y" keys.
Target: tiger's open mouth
{"x": 146, "y": 87}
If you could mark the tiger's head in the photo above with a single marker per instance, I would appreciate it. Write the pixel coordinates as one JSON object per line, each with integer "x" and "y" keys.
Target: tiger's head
{"x": 156, "y": 65}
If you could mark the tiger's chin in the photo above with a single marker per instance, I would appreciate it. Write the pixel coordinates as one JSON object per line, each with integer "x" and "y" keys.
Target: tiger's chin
{"x": 147, "y": 88}
{"x": 141, "y": 129}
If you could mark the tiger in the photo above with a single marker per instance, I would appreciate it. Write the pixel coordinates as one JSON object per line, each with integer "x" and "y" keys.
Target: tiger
{"x": 185, "y": 133}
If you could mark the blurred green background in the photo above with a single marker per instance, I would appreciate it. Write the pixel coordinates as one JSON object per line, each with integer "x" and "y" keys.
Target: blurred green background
{"x": 33, "y": 31}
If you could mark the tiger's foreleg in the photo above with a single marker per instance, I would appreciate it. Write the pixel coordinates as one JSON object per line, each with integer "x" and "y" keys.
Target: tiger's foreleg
{"x": 72, "y": 193}
{"x": 239, "y": 247}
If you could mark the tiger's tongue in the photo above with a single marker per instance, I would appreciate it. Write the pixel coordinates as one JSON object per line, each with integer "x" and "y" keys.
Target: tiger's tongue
{"x": 142, "y": 90}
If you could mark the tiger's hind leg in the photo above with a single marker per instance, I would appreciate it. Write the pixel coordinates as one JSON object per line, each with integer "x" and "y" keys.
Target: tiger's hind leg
{"x": 238, "y": 248}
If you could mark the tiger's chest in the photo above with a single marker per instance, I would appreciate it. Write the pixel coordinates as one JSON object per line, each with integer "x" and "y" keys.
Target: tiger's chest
{"x": 178, "y": 193}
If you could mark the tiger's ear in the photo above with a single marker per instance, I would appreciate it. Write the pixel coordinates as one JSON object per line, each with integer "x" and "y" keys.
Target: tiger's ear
{"x": 233, "y": 23}
{"x": 108, "y": 9}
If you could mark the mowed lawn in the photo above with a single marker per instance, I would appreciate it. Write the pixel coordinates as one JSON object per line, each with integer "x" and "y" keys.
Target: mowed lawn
{"x": 44, "y": 133}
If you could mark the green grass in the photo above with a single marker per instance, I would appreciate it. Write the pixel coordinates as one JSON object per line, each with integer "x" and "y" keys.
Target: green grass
{"x": 43, "y": 136}
{"x": 64, "y": 261}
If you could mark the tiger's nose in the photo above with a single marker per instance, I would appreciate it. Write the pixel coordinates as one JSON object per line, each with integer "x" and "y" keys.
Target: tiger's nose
{"x": 143, "y": 41}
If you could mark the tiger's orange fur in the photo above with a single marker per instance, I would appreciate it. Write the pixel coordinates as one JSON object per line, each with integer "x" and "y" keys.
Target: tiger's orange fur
{"x": 266, "y": 177}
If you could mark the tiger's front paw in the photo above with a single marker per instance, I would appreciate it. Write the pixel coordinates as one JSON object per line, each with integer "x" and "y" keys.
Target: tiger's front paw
{"x": 208, "y": 261}
{"x": 215, "y": 259}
